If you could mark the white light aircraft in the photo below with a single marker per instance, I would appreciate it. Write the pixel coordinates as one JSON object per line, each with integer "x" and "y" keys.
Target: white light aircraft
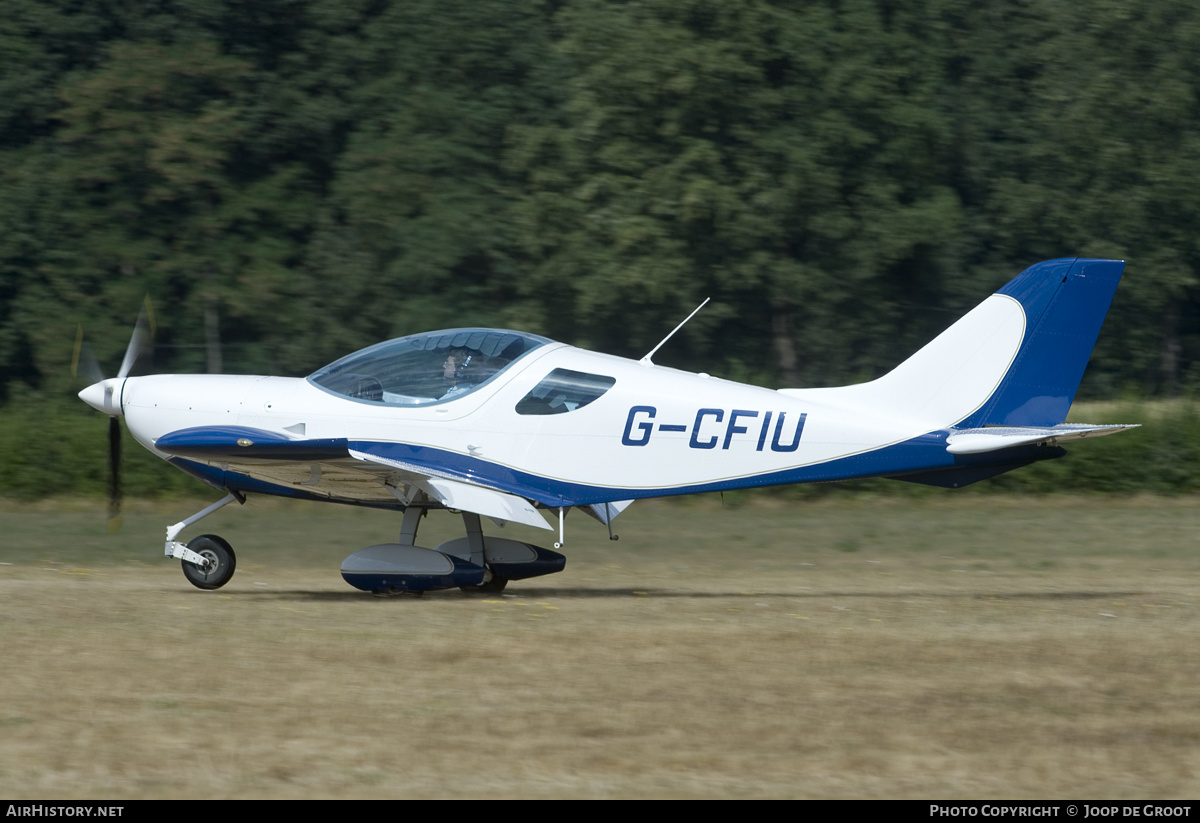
{"x": 516, "y": 427}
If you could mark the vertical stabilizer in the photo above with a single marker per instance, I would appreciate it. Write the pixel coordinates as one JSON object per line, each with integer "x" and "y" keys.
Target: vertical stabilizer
{"x": 1016, "y": 359}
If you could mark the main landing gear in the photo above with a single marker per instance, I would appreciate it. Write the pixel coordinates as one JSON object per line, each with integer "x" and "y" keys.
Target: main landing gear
{"x": 475, "y": 564}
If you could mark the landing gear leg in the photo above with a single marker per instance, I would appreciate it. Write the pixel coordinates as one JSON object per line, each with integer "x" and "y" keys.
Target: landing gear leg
{"x": 410, "y": 524}
{"x": 492, "y": 582}
{"x": 208, "y": 561}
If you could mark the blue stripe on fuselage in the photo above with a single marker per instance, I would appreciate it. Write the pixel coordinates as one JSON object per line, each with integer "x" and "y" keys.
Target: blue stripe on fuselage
{"x": 924, "y": 453}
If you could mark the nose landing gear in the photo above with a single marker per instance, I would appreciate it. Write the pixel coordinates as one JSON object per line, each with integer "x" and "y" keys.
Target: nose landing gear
{"x": 208, "y": 561}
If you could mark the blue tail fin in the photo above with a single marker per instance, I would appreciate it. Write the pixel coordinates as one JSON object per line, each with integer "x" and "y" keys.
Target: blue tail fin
{"x": 1065, "y": 302}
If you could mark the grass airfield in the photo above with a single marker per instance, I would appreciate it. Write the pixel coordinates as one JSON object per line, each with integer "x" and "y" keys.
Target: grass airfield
{"x": 947, "y": 646}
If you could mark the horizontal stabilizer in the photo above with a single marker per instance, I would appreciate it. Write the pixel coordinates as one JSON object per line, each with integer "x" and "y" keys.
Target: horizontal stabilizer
{"x": 994, "y": 438}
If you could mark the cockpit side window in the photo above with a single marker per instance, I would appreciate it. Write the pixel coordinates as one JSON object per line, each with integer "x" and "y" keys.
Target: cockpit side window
{"x": 426, "y": 368}
{"x": 564, "y": 391}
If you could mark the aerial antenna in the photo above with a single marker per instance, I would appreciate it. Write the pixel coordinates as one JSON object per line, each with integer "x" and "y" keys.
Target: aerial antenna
{"x": 646, "y": 361}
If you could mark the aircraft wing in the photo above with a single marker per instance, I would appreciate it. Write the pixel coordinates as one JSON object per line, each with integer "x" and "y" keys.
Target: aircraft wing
{"x": 456, "y": 494}
{"x": 994, "y": 438}
{"x": 333, "y": 468}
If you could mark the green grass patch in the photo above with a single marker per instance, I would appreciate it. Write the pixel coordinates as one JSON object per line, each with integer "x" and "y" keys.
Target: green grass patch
{"x": 998, "y": 646}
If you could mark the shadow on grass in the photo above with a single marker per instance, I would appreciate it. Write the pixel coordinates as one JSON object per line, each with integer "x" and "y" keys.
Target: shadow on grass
{"x": 592, "y": 593}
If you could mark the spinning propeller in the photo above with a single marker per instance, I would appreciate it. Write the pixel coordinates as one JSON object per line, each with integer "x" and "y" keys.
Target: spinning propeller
{"x": 105, "y": 395}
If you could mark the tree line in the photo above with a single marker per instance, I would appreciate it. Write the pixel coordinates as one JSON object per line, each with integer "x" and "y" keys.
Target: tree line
{"x": 289, "y": 180}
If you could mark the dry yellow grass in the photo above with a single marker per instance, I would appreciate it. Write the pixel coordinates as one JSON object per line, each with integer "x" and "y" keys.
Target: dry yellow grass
{"x": 940, "y": 648}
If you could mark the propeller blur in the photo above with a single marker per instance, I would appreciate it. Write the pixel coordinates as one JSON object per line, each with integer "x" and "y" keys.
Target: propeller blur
{"x": 104, "y": 395}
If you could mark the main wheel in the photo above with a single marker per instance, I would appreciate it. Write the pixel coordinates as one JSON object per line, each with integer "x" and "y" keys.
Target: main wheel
{"x": 493, "y": 586}
{"x": 220, "y": 562}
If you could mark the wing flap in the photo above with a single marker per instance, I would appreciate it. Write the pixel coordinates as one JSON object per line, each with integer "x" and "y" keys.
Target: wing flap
{"x": 456, "y": 494}
{"x": 488, "y": 502}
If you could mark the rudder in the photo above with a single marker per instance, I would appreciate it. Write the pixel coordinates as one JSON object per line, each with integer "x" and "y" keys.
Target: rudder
{"x": 1062, "y": 324}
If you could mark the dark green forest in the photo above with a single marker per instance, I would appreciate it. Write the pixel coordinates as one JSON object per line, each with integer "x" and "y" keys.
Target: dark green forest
{"x": 290, "y": 180}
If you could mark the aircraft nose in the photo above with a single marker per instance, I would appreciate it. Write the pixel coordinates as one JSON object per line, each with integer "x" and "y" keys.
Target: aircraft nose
{"x": 104, "y": 396}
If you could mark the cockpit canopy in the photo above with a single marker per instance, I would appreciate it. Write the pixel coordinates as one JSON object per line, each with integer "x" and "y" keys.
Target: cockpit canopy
{"x": 426, "y": 368}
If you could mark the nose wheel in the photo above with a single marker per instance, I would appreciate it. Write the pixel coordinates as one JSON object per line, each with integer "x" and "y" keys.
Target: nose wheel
{"x": 218, "y": 566}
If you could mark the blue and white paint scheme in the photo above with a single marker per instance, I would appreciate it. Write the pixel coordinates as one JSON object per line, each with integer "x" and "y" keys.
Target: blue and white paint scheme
{"x": 515, "y": 427}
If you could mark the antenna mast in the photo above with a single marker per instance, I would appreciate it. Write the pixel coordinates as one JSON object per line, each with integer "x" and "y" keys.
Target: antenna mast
{"x": 646, "y": 361}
